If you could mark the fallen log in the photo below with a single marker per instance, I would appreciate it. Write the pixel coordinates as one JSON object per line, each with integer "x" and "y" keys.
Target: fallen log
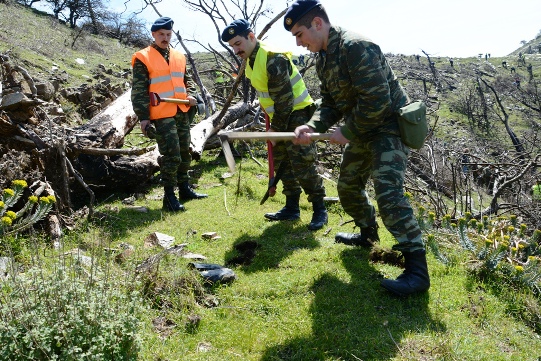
{"x": 205, "y": 129}
{"x": 109, "y": 127}
{"x": 102, "y": 162}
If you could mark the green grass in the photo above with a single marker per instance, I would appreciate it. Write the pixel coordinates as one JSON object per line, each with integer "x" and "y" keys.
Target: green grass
{"x": 39, "y": 42}
{"x": 304, "y": 297}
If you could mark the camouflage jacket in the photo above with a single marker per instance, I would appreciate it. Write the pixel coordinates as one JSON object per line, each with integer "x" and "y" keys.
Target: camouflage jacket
{"x": 357, "y": 84}
{"x": 139, "y": 92}
{"x": 280, "y": 90}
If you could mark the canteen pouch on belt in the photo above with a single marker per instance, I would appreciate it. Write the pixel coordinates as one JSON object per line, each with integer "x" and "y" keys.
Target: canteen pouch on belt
{"x": 412, "y": 123}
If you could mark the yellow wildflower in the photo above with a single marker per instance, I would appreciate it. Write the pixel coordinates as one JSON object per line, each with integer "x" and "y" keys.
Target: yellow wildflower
{"x": 33, "y": 199}
{"x": 44, "y": 200}
{"x": 519, "y": 268}
{"x": 11, "y": 214}
{"x": 9, "y": 192}
{"x": 6, "y": 221}
{"x": 19, "y": 183}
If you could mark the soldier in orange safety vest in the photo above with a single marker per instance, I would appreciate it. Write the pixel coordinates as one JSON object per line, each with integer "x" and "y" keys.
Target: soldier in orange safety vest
{"x": 161, "y": 69}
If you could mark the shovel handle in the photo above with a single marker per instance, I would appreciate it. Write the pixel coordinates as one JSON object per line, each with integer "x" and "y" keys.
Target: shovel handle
{"x": 272, "y": 135}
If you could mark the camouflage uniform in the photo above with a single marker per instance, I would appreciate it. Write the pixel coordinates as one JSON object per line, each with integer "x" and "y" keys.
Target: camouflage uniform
{"x": 300, "y": 170}
{"x": 358, "y": 84}
{"x": 171, "y": 134}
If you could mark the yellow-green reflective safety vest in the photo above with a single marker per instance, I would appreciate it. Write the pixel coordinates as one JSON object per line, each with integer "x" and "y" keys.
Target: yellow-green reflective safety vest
{"x": 259, "y": 79}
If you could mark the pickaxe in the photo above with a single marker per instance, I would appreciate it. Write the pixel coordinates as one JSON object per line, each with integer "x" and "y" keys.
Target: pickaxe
{"x": 155, "y": 100}
{"x": 273, "y": 136}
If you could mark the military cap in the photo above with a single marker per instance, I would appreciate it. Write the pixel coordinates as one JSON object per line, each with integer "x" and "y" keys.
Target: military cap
{"x": 162, "y": 23}
{"x": 297, "y": 10}
{"x": 237, "y": 27}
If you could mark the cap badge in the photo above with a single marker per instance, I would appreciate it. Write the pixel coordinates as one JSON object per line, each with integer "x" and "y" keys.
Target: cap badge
{"x": 289, "y": 21}
{"x": 231, "y": 31}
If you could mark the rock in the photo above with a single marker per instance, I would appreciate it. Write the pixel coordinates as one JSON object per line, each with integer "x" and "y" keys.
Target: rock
{"x": 45, "y": 90}
{"x": 158, "y": 239}
{"x": 210, "y": 235}
{"x": 12, "y": 101}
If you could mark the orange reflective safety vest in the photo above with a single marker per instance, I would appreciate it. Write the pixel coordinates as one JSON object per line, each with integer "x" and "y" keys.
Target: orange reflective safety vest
{"x": 167, "y": 80}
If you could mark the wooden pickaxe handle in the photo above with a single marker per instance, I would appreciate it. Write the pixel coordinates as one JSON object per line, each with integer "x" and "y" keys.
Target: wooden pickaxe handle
{"x": 271, "y": 191}
{"x": 155, "y": 100}
{"x": 173, "y": 100}
{"x": 226, "y": 136}
{"x": 271, "y": 135}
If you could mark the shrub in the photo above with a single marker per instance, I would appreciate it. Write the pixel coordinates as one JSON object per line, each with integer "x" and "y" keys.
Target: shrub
{"x": 63, "y": 316}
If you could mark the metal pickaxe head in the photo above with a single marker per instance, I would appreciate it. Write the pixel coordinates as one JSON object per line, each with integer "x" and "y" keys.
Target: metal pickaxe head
{"x": 154, "y": 99}
{"x": 228, "y": 154}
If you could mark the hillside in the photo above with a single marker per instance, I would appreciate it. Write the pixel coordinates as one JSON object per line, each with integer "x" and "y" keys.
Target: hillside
{"x": 297, "y": 294}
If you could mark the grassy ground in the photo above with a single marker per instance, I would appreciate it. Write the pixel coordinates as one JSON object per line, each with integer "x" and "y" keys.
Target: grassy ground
{"x": 304, "y": 297}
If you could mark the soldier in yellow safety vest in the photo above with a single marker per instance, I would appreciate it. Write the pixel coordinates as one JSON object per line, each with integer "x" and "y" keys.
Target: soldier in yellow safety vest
{"x": 284, "y": 97}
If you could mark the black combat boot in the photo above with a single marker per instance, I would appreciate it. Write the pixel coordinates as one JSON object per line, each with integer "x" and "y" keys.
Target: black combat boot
{"x": 367, "y": 237}
{"x": 170, "y": 201}
{"x": 290, "y": 212}
{"x": 320, "y": 217}
{"x": 185, "y": 192}
{"x": 415, "y": 277}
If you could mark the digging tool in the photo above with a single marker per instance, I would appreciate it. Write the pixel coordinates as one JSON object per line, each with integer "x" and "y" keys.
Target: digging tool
{"x": 271, "y": 191}
{"x": 155, "y": 100}
{"x": 273, "y": 183}
{"x": 276, "y": 136}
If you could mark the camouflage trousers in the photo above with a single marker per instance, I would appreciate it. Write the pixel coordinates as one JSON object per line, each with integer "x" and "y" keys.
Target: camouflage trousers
{"x": 384, "y": 159}
{"x": 173, "y": 138}
{"x": 298, "y": 162}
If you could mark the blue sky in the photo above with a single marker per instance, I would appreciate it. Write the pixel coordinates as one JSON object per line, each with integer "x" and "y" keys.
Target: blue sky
{"x": 398, "y": 26}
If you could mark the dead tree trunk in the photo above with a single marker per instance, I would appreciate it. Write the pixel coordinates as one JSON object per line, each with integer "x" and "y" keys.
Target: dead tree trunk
{"x": 202, "y": 131}
{"x": 98, "y": 155}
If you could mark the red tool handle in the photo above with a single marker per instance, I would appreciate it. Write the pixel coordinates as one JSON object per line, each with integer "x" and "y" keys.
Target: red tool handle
{"x": 270, "y": 158}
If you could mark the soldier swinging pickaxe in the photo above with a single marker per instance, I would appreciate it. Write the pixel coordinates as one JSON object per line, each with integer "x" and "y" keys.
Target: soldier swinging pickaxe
{"x": 272, "y": 136}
